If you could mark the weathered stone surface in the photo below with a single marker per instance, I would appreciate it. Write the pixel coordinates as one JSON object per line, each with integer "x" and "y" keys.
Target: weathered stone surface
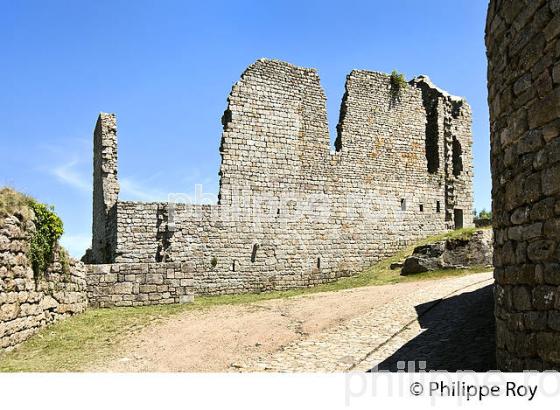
{"x": 139, "y": 284}
{"x": 452, "y": 253}
{"x": 293, "y": 211}
{"x": 523, "y": 61}
{"x": 27, "y": 304}
{"x": 105, "y": 189}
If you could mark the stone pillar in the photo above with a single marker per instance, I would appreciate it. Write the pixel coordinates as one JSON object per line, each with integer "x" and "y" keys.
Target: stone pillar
{"x": 523, "y": 48}
{"x": 105, "y": 188}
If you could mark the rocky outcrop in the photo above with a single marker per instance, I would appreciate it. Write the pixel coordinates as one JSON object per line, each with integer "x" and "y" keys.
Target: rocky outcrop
{"x": 27, "y": 302}
{"x": 451, "y": 253}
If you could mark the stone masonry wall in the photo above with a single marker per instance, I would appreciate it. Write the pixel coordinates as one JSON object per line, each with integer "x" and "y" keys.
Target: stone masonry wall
{"x": 139, "y": 284}
{"x": 27, "y": 304}
{"x": 105, "y": 188}
{"x": 523, "y": 48}
{"x": 292, "y": 211}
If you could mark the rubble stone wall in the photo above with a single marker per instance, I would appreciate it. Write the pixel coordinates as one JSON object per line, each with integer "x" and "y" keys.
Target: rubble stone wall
{"x": 28, "y": 303}
{"x": 523, "y": 47}
{"x": 294, "y": 211}
{"x": 139, "y": 284}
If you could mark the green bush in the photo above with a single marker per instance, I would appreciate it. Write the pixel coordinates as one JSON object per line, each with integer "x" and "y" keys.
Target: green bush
{"x": 398, "y": 83}
{"x": 48, "y": 229}
{"x": 484, "y": 214}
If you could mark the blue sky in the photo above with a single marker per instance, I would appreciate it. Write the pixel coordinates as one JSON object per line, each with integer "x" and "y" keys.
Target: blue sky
{"x": 166, "y": 68}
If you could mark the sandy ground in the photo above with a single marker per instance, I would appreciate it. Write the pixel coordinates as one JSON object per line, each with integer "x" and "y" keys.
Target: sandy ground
{"x": 217, "y": 339}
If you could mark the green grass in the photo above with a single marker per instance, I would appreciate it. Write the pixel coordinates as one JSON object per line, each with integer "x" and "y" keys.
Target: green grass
{"x": 75, "y": 343}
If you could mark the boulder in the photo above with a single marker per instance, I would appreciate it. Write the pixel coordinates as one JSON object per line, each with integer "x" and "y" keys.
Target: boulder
{"x": 451, "y": 253}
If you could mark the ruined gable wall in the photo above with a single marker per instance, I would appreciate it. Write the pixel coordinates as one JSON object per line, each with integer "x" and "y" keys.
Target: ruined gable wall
{"x": 275, "y": 136}
{"x": 292, "y": 213}
{"x": 382, "y": 137}
{"x": 523, "y": 48}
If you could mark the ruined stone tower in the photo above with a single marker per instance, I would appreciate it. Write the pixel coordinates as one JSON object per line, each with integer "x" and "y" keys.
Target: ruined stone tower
{"x": 523, "y": 47}
{"x": 294, "y": 211}
{"x": 105, "y": 188}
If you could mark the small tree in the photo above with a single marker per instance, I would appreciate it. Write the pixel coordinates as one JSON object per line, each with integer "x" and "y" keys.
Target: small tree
{"x": 484, "y": 214}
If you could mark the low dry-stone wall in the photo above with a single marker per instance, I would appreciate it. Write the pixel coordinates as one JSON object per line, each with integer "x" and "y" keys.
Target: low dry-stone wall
{"x": 139, "y": 284}
{"x": 28, "y": 303}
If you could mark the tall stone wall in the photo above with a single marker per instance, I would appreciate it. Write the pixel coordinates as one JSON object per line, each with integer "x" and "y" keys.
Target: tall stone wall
{"x": 28, "y": 303}
{"x": 292, "y": 211}
{"x": 105, "y": 188}
{"x": 523, "y": 47}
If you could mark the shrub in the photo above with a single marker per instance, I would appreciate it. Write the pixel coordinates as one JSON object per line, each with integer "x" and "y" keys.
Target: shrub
{"x": 398, "y": 83}
{"x": 484, "y": 214}
{"x": 48, "y": 227}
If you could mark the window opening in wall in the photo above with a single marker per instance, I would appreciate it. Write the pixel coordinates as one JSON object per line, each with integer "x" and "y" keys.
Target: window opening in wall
{"x": 278, "y": 211}
{"x": 254, "y": 252}
{"x": 233, "y": 266}
{"x": 457, "y": 157}
{"x": 318, "y": 263}
{"x": 438, "y": 206}
{"x": 421, "y": 208}
{"x": 403, "y": 204}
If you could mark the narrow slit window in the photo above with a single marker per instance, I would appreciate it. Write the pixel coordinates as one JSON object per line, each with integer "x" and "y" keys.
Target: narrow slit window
{"x": 254, "y": 253}
{"x": 438, "y": 207}
{"x": 421, "y": 207}
{"x": 403, "y": 204}
{"x": 233, "y": 266}
{"x": 318, "y": 263}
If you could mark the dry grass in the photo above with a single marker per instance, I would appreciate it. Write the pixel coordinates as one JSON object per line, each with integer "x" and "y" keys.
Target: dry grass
{"x": 15, "y": 203}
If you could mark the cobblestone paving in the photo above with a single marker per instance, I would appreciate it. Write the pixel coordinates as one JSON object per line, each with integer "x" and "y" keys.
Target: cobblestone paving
{"x": 395, "y": 332}
{"x": 457, "y": 334}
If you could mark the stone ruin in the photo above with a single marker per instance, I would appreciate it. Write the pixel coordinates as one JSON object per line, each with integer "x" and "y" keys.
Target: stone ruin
{"x": 29, "y": 302}
{"x": 293, "y": 211}
{"x": 523, "y": 47}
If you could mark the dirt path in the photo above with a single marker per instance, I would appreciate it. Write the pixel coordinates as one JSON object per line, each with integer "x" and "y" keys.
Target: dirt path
{"x": 226, "y": 338}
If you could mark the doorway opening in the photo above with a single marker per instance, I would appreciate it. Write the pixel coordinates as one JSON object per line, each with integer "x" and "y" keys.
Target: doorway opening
{"x": 458, "y": 218}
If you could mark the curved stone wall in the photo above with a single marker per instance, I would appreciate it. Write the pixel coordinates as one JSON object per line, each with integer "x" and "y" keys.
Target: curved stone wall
{"x": 523, "y": 47}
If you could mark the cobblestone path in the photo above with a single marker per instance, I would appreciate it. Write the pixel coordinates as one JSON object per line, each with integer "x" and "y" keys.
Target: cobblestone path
{"x": 448, "y": 325}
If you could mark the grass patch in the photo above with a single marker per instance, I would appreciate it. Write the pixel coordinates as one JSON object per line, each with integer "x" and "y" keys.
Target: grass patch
{"x": 13, "y": 202}
{"x": 75, "y": 343}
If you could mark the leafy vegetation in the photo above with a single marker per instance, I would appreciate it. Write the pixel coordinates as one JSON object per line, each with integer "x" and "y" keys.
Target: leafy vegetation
{"x": 75, "y": 343}
{"x": 48, "y": 226}
{"x": 484, "y": 214}
{"x": 398, "y": 83}
{"x": 48, "y": 229}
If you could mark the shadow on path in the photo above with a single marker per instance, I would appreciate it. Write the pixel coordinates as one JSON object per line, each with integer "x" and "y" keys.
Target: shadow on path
{"x": 459, "y": 335}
